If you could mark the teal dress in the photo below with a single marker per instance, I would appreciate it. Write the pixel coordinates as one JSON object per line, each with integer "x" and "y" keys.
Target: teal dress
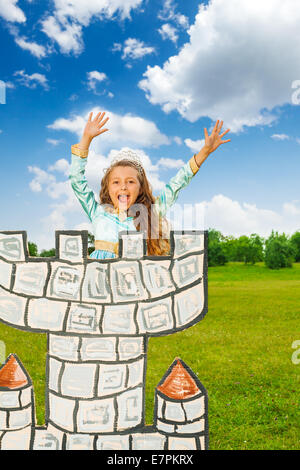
{"x": 106, "y": 224}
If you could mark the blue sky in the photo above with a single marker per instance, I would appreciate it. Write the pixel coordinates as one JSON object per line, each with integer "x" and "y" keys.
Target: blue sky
{"x": 162, "y": 70}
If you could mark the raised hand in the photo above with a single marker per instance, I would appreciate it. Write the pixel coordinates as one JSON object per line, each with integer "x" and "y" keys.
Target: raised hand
{"x": 213, "y": 141}
{"x": 94, "y": 127}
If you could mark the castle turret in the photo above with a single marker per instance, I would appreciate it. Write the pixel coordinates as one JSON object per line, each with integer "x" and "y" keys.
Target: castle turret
{"x": 181, "y": 408}
{"x": 16, "y": 406}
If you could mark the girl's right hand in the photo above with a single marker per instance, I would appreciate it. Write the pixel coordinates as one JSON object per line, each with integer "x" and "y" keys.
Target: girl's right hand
{"x": 94, "y": 127}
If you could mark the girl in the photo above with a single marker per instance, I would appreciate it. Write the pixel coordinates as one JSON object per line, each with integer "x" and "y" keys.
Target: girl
{"x": 125, "y": 188}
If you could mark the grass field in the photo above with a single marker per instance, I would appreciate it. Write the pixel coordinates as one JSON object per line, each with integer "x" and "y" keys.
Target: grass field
{"x": 241, "y": 352}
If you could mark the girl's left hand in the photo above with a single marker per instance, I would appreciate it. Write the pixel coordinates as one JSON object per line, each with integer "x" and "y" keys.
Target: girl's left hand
{"x": 213, "y": 141}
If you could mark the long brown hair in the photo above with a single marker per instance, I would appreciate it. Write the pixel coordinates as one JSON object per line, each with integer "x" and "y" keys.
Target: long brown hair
{"x": 156, "y": 245}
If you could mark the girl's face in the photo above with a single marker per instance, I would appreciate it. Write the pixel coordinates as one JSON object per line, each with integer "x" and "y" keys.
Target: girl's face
{"x": 123, "y": 186}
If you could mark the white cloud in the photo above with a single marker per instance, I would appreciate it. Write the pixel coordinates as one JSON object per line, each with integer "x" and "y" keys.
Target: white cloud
{"x": 238, "y": 65}
{"x": 68, "y": 19}
{"x": 169, "y": 163}
{"x": 167, "y": 31}
{"x": 54, "y": 141}
{"x": 93, "y": 78}
{"x": 168, "y": 14}
{"x": 123, "y": 130}
{"x": 11, "y": 12}
{"x": 34, "y": 48}
{"x": 68, "y": 36}
{"x": 61, "y": 165}
{"x": 236, "y": 218}
{"x": 280, "y": 137}
{"x": 136, "y": 49}
{"x": 31, "y": 81}
{"x": 194, "y": 145}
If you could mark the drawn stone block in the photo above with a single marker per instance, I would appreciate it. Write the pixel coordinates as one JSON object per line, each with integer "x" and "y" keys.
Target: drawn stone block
{"x": 119, "y": 319}
{"x": 182, "y": 443}
{"x": 64, "y": 347}
{"x": 162, "y": 426}
{"x": 12, "y": 246}
{"x": 194, "y": 408}
{"x": 136, "y": 373}
{"x": 111, "y": 379}
{"x": 157, "y": 278}
{"x": 54, "y": 371}
{"x": 159, "y": 410}
{"x": 202, "y": 442}
{"x": 3, "y": 420}
{"x": 155, "y": 316}
{"x": 130, "y": 408}
{"x": 26, "y": 396}
{"x": 45, "y": 440}
{"x": 9, "y": 399}
{"x": 46, "y": 314}
{"x": 96, "y": 285}
{"x": 5, "y": 274}
{"x": 96, "y": 416}
{"x": 189, "y": 304}
{"x": 65, "y": 281}
{"x": 185, "y": 243}
{"x": 148, "y": 441}
{"x": 30, "y": 278}
{"x": 12, "y": 308}
{"x": 84, "y": 318}
{"x": 78, "y": 380}
{"x": 79, "y": 442}
{"x": 62, "y": 411}
{"x": 20, "y": 418}
{"x": 191, "y": 428}
{"x": 125, "y": 281}
{"x": 130, "y": 348}
{"x": 133, "y": 245}
{"x": 114, "y": 442}
{"x": 17, "y": 440}
{"x": 100, "y": 349}
{"x": 70, "y": 248}
{"x": 174, "y": 412}
{"x": 188, "y": 270}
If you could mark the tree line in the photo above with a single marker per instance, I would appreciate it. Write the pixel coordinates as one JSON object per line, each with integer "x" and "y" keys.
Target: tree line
{"x": 277, "y": 251}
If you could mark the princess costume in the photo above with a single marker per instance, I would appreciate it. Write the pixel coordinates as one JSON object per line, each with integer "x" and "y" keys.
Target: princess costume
{"x": 107, "y": 224}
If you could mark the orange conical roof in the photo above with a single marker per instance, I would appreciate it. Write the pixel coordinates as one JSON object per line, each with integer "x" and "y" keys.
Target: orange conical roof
{"x": 179, "y": 384}
{"x": 12, "y": 375}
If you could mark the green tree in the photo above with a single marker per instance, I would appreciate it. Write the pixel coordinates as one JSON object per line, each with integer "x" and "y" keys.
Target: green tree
{"x": 279, "y": 252}
{"x": 295, "y": 241}
{"x": 91, "y": 243}
{"x": 216, "y": 252}
{"x": 32, "y": 249}
{"x": 48, "y": 253}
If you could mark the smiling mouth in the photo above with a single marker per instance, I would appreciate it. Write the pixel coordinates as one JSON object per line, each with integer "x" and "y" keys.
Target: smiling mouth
{"x": 123, "y": 198}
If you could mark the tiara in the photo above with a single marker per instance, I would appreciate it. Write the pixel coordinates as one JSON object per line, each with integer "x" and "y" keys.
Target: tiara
{"x": 130, "y": 156}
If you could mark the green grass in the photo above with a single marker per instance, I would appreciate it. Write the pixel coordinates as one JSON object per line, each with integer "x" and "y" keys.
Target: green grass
{"x": 241, "y": 352}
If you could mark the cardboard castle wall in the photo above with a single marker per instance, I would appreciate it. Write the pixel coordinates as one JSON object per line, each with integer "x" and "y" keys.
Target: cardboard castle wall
{"x": 98, "y": 316}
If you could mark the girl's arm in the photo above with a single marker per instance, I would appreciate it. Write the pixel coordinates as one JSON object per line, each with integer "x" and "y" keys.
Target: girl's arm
{"x": 169, "y": 194}
{"x": 82, "y": 191}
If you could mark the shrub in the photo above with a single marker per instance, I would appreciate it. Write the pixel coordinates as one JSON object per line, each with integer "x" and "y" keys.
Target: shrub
{"x": 216, "y": 251}
{"x": 295, "y": 241}
{"x": 279, "y": 251}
